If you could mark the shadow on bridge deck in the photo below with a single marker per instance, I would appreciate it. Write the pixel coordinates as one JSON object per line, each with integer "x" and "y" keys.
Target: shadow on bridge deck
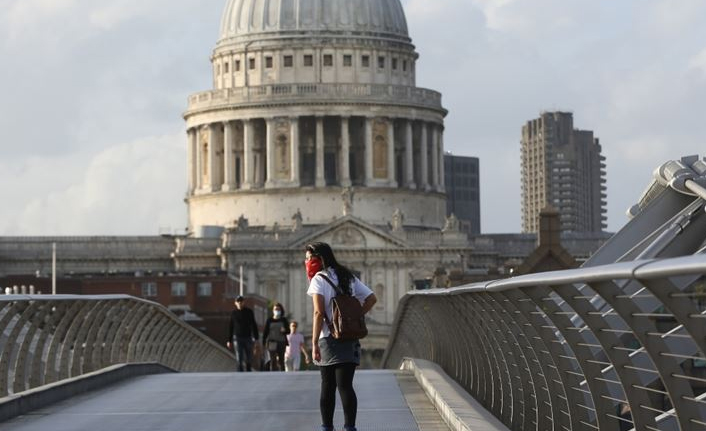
{"x": 387, "y": 400}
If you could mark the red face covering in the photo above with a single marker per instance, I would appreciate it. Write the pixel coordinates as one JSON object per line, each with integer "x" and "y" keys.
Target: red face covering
{"x": 313, "y": 266}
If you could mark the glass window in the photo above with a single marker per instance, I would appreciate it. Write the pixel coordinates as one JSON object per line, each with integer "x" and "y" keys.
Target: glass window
{"x": 394, "y": 64}
{"x": 268, "y": 62}
{"x": 381, "y": 62}
{"x": 328, "y": 60}
{"x": 149, "y": 289}
{"x": 178, "y": 288}
{"x": 308, "y": 60}
{"x": 404, "y": 65}
{"x": 288, "y": 61}
{"x": 347, "y": 60}
{"x": 251, "y": 61}
{"x": 204, "y": 288}
{"x": 237, "y": 65}
{"x": 226, "y": 66}
{"x": 365, "y": 61}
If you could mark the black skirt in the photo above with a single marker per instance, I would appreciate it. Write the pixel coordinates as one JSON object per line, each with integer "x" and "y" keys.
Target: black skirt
{"x": 335, "y": 351}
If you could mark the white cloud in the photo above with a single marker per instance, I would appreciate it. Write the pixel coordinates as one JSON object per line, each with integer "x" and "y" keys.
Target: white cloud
{"x": 21, "y": 18}
{"x": 131, "y": 188}
{"x": 26, "y": 12}
{"x": 672, "y": 18}
{"x": 698, "y": 62}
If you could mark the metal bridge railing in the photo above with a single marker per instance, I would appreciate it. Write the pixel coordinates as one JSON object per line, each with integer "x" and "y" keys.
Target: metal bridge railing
{"x": 46, "y": 338}
{"x": 611, "y": 347}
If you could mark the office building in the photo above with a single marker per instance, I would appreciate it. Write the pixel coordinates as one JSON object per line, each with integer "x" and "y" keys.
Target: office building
{"x": 463, "y": 191}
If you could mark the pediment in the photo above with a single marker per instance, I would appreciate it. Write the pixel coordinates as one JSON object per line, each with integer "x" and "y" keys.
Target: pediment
{"x": 352, "y": 233}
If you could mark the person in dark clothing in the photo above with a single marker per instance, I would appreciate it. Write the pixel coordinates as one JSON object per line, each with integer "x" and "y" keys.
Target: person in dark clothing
{"x": 242, "y": 333}
{"x": 274, "y": 337}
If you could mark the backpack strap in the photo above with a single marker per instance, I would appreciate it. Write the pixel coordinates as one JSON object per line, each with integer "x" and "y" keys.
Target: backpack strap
{"x": 335, "y": 287}
{"x": 338, "y": 292}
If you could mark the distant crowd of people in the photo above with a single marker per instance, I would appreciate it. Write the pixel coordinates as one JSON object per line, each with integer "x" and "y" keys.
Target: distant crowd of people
{"x": 282, "y": 345}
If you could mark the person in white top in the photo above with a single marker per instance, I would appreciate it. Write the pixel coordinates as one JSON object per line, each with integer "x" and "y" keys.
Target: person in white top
{"x": 295, "y": 347}
{"x": 337, "y": 359}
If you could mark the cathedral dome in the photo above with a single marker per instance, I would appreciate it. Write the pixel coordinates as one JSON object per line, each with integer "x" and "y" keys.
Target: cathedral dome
{"x": 244, "y": 18}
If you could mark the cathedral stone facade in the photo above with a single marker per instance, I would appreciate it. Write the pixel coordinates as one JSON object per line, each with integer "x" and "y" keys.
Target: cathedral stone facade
{"x": 315, "y": 131}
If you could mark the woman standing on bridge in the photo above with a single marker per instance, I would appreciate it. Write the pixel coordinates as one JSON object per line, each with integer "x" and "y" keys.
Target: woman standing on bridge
{"x": 337, "y": 359}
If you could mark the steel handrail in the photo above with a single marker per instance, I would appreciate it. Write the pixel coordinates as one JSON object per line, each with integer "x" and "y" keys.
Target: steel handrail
{"x": 46, "y": 338}
{"x": 635, "y": 359}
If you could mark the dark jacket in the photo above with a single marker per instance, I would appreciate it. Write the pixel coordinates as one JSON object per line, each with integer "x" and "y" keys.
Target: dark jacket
{"x": 276, "y": 325}
{"x": 242, "y": 324}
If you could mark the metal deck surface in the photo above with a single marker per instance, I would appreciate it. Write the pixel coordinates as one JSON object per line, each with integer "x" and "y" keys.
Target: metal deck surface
{"x": 230, "y": 402}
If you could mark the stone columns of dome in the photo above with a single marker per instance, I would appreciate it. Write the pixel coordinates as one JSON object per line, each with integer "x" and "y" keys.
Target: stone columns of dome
{"x": 434, "y": 157}
{"x": 442, "y": 172}
{"x": 229, "y": 182}
{"x": 424, "y": 159}
{"x": 270, "y": 152}
{"x": 368, "y": 151}
{"x": 231, "y": 70}
{"x": 320, "y": 179}
{"x": 391, "y": 152}
{"x": 248, "y": 144}
{"x": 345, "y": 152}
{"x": 409, "y": 156}
{"x": 294, "y": 159}
{"x": 191, "y": 150}
{"x": 213, "y": 183}
{"x": 200, "y": 157}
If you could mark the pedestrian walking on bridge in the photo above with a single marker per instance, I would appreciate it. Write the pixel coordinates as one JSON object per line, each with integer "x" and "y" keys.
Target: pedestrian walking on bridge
{"x": 275, "y": 337}
{"x": 295, "y": 349}
{"x": 242, "y": 334}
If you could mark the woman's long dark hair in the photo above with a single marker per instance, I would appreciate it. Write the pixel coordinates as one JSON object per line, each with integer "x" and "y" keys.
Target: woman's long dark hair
{"x": 323, "y": 250}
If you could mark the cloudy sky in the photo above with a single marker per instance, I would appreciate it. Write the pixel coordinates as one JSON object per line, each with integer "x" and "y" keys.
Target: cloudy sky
{"x": 91, "y": 95}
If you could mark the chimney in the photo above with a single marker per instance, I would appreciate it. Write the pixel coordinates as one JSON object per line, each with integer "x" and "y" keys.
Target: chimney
{"x": 549, "y": 227}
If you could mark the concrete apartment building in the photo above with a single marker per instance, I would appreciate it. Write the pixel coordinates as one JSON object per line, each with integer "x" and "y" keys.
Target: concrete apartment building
{"x": 562, "y": 167}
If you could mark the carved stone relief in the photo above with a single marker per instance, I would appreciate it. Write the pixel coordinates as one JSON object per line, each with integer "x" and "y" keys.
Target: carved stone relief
{"x": 397, "y": 220}
{"x": 451, "y": 224}
{"x": 380, "y": 148}
{"x": 282, "y": 149}
{"x": 347, "y": 200}
{"x": 349, "y": 236}
{"x": 297, "y": 221}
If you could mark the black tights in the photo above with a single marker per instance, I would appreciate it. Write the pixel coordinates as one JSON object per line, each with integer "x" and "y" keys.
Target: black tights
{"x": 341, "y": 376}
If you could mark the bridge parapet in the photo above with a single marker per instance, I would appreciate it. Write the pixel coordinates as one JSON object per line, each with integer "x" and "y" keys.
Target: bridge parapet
{"x": 619, "y": 344}
{"x": 608, "y": 347}
{"x": 47, "y": 338}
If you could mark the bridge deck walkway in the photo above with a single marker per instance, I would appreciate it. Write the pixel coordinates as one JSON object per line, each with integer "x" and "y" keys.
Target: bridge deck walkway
{"x": 387, "y": 401}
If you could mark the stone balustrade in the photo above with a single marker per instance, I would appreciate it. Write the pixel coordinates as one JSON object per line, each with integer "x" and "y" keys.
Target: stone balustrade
{"x": 367, "y": 93}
